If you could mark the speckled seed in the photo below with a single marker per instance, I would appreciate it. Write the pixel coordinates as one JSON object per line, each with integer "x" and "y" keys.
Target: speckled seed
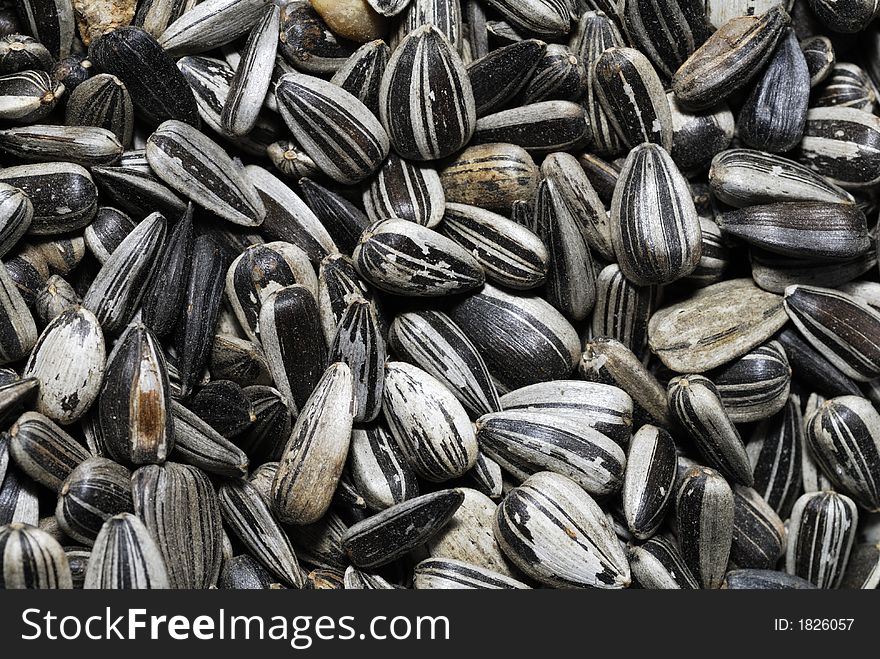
{"x": 541, "y": 127}
{"x": 491, "y": 176}
{"x": 698, "y": 135}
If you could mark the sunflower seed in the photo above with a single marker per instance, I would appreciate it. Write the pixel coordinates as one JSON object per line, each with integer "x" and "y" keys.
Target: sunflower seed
{"x": 557, "y": 534}
{"x": 16, "y": 215}
{"x": 355, "y": 579}
{"x": 28, "y": 274}
{"x": 94, "y": 491}
{"x": 407, "y": 191}
{"x": 623, "y": 309}
{"x": 388, "y": 535}
{"x": 19, "y": 496}
{"x": 63, "y": 194}
{"x": 843, "y": 328}
{"x": 242, "y": 572}
{"x": 863, "y": 568}
{"x": 267, "y": 435}
{"x": 603, "y": 177}
{"x": 15, "y": 394}
{"x": 536, "y": 441}
{"x": 360, "y": 345}
{"x": 705, "y": 514}
{"x": 198, "y": 444}
{"x": 157, "y": 88}
{"x": 715, "y": 326}
{"x": 107, "y": 231}
{"x": 819, "y": 54}
{"x": 210, "y": 24}
{"x": 428, "y": 423}
{"x": 312, "y": 462}
{"x": 307, "y": 42}
{"x": 847, "y": 17}
{"x": 156, "y": 15}
{"x": 521, "y": 337}
{"x": 291, "y": 160}
{"x": 502, "y": 74}
{"x": 821, "y": 533}
{"x": 541, "y": 127}
{"x": 658, "y": 565}
{"x": 755, "y": 386}
{"x": 31, "y": 558}
{"x": 444, "y": 14}
{"x": 560, "y": 75}
{"x": 671, "y": 229}
{"x": 775, "y": 454}
{"x": 763, "y": 580}
{"x": 44, "y": 451}
{"x": 491, "y": 176}
{"x": 550, "y": 18}
{"x": 137, "y": 191}
{"x": 320, "y": 543}
{"x": 78, "y": 560}
{"x": 19, "y": 52}
{"x": 194, "y": 165}
{"x": 179, "y": 507}
{"x": 249, "y": 517}
{"x": 199, "y": 310}
{"x": 162, "y": 301}
{"x": 84, "y": 145}
{"x": 379, "y": 468}
{"x": 28, "y": 96}
{"x": 609, "y": 362}
{"x": 389, "y": 7}
{"x": 350, "y": 144}
{"x": 68, "y": 361}
{"x": 224, "y": 406}
{"x": 698, "y": 136}
{"x": 447, "y": 573}
{"x": 649, "y": 480}
{"x": 729, "y": 59}
{"x": 18, "y": 332}
{"x": 361, "y": 75}
{"x": 840, "y": 143}
{"x": 758, "y": 532}
{"x": 847, "y": 86}
{"x": 696, "y": 405}
{"x": 743, "y": 177}
{"x": 338, "y": 284}
{"x": 125, "y": 557}
{"x": 844, "y": 439}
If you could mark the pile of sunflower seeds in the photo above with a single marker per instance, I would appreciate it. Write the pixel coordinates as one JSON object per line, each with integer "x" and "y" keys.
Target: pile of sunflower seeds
{"x": 439, "y": 294}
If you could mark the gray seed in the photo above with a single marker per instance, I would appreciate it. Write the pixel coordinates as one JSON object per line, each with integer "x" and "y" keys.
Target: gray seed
{"x": 83, "y": 145}
{"x": 19, "y": 52}
{"x": 125, "y": 557}
{"x": 242, "y": 572}
{"x": 863, "y": 568}
{"x": 623, "y": 309}
{"x": 31, "y": 558}
{"x": 821, "y": 533}
{"x": 698, "y": 135}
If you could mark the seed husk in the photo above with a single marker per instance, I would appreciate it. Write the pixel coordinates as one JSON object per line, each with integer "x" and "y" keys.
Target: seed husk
{"x": 429, "y": 424}
{"x": 338, "y": 284}
{"x": 560, "y": 75}
{"x": 846, "y": 17}
{"x": 268, "y": 433}
{"x": 361, "y": 75}
{"x": 863, "y": 568}
{"x": 31, "y": 558}
{"x": 541, "y": 127}
{"x": 96, "y": 490}
{"x": 63, "y": 195}
{"x": 291, "y": 160}
{"x": 696, "y": 405}
{"x": 649, "y": 480}
{"x": 359, "y": 344}
{"x": 83, "y": 145}
{"x": 763, "y": 580}
{"x": 125, "y": 557}
{"x": 775, "y": 454}
{"x": 388, "y": 535}
{"x": 658, "y": 565}
{"x": 705, "y": 514}
{"x": 841, "y": 143}
{"x": 557, "y": 534}
{"x": 405, "y": 190}
{"x": 44, "y": 451}
{"x": 756, "y": 385}
{"x": 821, "y": 532}
{"x": 196, "y": 443}
{"x": 623, "y": 309}
{"x": 379, "y": 469}
{"x": 137, "y": 191}
{"x": 107, "y": 231}
{"x": 501, "y": 75}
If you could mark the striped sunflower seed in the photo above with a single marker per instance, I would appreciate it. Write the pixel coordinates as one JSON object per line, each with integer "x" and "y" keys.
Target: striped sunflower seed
{"x": 195, "y": 166}
{"x": 502, "y": 74}
{"x": 670, "y": 229}
{"x": 776, "y": 273}
{"x": 704, "y": 510}
{"x": 351, "y": 144}
{"x": 248, "y": 516}
{"x": 532, "y": 441}
{"x": 775, "y": 111}
{"x": 239, "y": 360}
{"x": 160, "y": 306}
{"x": 812, "y": 477}
{"x": 602, "y": 176}
{"x": 405, "y": 258}
{"x": 78, "y": 559}
{"x": 267, "y": 435}
{"x": 83, "y": 145}
{"x": 19, "y": 496}
{"x": 444, "y": 14}
{"x": 843, "y": 435}
{"x": 16, "y": 215}
{"x": 729, "y": 59}
{"x": 95, "y": 490}
{"x": 557, "y": 534}
{"x": 820, "y": 57}
{"x": 775, "y": 454}
{"x": 448, "y": 573}
{"x": 510, "y": 254}
{"x": 18, "y": 332}
{"x": 68, "y": 361}
{"x": 292, "y": 342}
{"x": 623, "y": 309}
{"x": 821, "y": 532}
{"x": 338, "y": 284}
{"x": 698, "y": 136}
{"x": 306, "y": 42}
{"x": 63, "y": 195}
{"x": 320, "y": 543}
{"x": 361, "y": 75}
{"x": 28, "y": 96}
{"x": 696, "y": 405}
{"x": 31, "y": 558}
{"x": 758, "y": 532}
{"x": 19, "y": 52}
{"x": 388, "y": 535}
{"x": 549, "y": 18}
{"x": 755, "y": 386}
{"x": 116, "y": 292}
{"x": 379, "y": 469}
{"x": 258, "y": 272}
{"x": 158, "y": 90}
{"x": 312, "y": 462}
{"x": 560, "y": 75}
{"x": 355, "y": 579}
{"x": 125, "y": 557}
{"x": 715, "y": 326}
{"x": 407, "y": 191}
{"x": 210, "y": 24}
{"x": 658, "y": 565}
{"x": 43, "y": 451}
{"x": 848, "y": 85}
{"x": 360, "y": 345}
{"x": 389, "y": 7}
{"x": 763, "y": 580}
{"x": 432, "y": 341}
{"x": 253, "y": 75}
{"x": 107, "y": 231}
{"x": 179, "y": 507}
{"x": 134, "y": 408}
{"x": 291, "y": 160}
{"x": 137, "y": 191}
{"x": 541, "y": 127}
{"x": 428, "y": 423}
{"x": 486, "y": 476}
{"x": 844, "y": 329}
{"x": 156, "y": 15}
{"x": 344, "y": 221}
{"x": 196, "y": 443}
{"x": 841, "y": 144}
{"x": 633, "y": 98}
{"x": 847, "y": 17}
{"x": 242, "y": 572}
{"x": 522, "y": 338}
{"x": 649, "y": 480}
{"x": 491, "y": 176}
{"x": 743, "y": 177}
{"x": 412, "y": 118}
{"x": 15, "y": 394}
{"x": 609, "y": 362}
